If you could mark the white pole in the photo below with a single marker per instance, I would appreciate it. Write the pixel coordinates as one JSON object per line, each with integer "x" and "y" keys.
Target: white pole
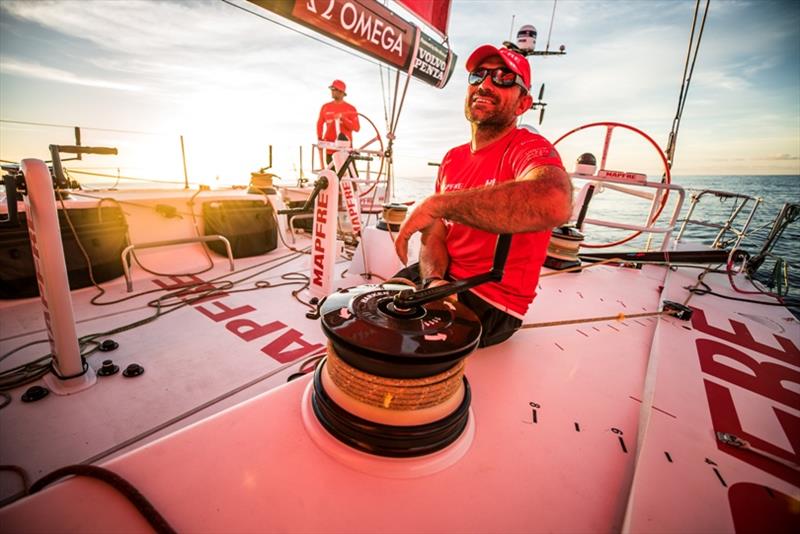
{"x": 51, "y": 275}
{"x": 323, "y": 237}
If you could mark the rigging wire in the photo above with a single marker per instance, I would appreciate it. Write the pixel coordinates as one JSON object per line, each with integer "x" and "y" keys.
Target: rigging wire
{"x": 327, "y": 43}
{"x": 119, "y": 177}
{"x": 112, "y": 130}
{"x": 384, "y": 99}
{"x": 691, "y": 58}
{"x": 550, "y": 32}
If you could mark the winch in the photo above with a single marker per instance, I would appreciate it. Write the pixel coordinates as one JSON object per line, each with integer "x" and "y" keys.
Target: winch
{"x": 393, "y": 381}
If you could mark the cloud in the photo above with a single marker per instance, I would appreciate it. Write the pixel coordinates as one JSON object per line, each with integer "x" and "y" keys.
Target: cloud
{"x": 142, "y": 40}
{"x": 31, "y": 70}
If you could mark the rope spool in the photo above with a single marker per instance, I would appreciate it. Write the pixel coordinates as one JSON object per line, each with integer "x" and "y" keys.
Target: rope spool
{"x": 394, "y": 393}
{"x": 261, "y": 182}
{"x": 393, "y": 382}
{"x": 563, "y": 249}
{"x": 392, "y": 217}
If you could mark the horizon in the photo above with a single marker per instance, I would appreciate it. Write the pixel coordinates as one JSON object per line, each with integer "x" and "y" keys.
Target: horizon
{"x": 233, "y": 83}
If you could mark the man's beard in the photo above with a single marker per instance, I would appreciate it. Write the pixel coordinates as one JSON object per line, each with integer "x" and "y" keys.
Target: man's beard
{"x": 496, "y": 121}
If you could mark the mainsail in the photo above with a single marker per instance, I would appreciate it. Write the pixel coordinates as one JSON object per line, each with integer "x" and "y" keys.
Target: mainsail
{"x": 374, "y": 30}
{"x": 435, "y": 13}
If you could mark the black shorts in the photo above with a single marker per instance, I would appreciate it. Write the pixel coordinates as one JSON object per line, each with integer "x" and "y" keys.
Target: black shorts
{"x": 496, "y": 325}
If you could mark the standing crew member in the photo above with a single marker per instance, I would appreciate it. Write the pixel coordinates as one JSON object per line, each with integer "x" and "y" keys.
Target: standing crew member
{"x": 337, "y": 118}
{"x": 505, "y": 180}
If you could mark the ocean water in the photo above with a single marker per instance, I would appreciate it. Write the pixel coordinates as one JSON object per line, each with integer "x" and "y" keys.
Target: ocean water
{"x": 774, "y": 192}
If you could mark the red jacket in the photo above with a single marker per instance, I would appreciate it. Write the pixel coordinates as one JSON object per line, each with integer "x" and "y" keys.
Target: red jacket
{"x": 326, "y": 124}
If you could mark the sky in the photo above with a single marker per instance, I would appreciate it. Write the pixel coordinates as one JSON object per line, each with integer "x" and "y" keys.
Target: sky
{"x": 139, "y": 74}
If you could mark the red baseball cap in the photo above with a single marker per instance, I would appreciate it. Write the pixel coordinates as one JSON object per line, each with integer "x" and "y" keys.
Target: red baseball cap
{"x": 515, "y": 62}
{"x": 338, "y": 84}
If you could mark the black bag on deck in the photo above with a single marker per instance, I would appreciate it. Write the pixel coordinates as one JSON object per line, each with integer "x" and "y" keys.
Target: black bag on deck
{"x": 248, "y": 224}
{"x": 102, "y": 234}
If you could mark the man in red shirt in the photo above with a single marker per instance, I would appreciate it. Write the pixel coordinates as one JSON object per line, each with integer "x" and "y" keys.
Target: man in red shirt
{"x": 505, "y": 180}
{"x": 337, "y": 117}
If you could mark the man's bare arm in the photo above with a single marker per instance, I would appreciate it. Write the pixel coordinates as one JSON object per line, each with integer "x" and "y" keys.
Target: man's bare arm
{"x": 539, "y": 200}
{"x": 433, "y": 256}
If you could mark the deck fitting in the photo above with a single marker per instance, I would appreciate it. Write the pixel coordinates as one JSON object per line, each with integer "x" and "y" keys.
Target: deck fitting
{"x": 108, "y": 345}
{"x": 108, "y": 368}
{"x": 132, "y": 370}
{"x": 681, "y": 311}
{"x": 35, "y": 393}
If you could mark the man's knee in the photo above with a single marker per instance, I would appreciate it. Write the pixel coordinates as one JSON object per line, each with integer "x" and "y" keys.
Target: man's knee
{"x": 410, "y": 273}
{"x": 497, "y": 336}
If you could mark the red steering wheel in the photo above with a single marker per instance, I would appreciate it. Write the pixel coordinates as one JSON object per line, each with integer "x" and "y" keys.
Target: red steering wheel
{"x": 666, "y": 180}
{"x": 376, "y": 139}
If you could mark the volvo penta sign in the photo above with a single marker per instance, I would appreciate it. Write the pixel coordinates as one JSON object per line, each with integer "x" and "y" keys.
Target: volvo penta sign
{"x": 374, "y": 30}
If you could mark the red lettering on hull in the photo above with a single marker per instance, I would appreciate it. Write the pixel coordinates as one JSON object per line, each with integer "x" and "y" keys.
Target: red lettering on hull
{"x": 770, "y": 380}
{"x": 195, "y": 288}
{"x": 279, "y": 349}
{"x": 756, "y": 510}
{"x": 725, "y": 419}
{"x": 742, "y": 336}
{"x": 287, "y": 347}
{"x": 766, "y": 377}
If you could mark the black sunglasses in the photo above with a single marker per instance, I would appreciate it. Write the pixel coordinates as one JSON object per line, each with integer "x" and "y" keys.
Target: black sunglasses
{"x": 500, "y": 77}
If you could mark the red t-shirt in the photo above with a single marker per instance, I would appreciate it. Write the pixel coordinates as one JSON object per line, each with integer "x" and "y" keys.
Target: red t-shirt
{"x": 472, "y": 251}
{"x": 326, "y": 123}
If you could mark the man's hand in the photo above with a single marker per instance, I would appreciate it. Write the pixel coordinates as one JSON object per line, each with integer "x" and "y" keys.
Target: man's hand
{"x": 423, "y": 216}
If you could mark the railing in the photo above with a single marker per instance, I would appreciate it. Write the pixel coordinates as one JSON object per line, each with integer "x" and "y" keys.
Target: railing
{"x": 727, "y": 226}
{"x": 153, "y": 244}
{"x": 635, "y": 189}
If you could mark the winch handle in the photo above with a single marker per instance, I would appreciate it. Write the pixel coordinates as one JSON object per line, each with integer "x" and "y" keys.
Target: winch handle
{"x": 308, "y": 207}
{"x": 501, "y": 249}
{"x": 75, "y": 149}
{"x": 319, "y": 185}
{"x": 410, "y": 297}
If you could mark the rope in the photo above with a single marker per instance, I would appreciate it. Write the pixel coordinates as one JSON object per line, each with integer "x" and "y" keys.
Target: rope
{"x": 28, "y": 372}
{"x": 148, "y": 511}
{"x": 619, "y": 317}
{"x": 23, "y": 475}
{"x": 394, "y": 393}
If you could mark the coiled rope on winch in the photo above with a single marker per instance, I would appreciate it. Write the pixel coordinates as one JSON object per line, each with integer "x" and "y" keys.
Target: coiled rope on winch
{"x": 394, "y": 393}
